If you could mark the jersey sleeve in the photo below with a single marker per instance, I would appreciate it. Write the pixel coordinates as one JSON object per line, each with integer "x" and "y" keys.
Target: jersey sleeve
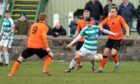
{"x": 44, "y": 37}
{"x": 124, "y": 24}
{"x": 12, "y": 23}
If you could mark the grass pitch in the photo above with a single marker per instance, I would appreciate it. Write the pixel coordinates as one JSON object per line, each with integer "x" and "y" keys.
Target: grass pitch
{"x": 30, "y": 73}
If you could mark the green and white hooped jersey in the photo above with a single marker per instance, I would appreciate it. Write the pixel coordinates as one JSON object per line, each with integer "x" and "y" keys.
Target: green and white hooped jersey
{"x": 91, "y": 38}
{"x": 7, "y": 25}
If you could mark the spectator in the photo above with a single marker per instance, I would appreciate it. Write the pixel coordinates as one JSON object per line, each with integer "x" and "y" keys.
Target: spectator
{"x": 22, "y": 25}
{"x": 95, "y": 9}
{"x": 127, "y": 11}
{"x": 49, "y": 31}
{"x": 107, "y": 8}
{"x": 73, "y": 26}
{"x": 58, "y": 30}
{"x": 138, "y": 23}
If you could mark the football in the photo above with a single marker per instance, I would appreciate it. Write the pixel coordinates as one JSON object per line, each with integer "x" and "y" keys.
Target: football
{"x": 98, "y": 57}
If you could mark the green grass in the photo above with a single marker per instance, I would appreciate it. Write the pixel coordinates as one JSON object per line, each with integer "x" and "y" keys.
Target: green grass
{"x": 30, "y": 73}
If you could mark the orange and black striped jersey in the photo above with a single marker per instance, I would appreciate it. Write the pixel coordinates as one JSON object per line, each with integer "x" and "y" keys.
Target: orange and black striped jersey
{"x": 115, "y": 25}
{"x": 36, "y": 39}
{"x": 82, "y": 24}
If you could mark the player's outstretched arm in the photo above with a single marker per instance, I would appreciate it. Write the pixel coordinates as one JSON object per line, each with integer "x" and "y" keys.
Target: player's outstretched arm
{"x": 74, "y": 41}
{"x": 109, "y": 32}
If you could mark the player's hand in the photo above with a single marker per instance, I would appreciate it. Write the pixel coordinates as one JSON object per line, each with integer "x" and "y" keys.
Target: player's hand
{"x": 48, "y": 49}
{"x": 69, "y": 46}
{"x": 127, "y": 35}
{"x": 117, "y": 34}
{"x": 101, "y": 29}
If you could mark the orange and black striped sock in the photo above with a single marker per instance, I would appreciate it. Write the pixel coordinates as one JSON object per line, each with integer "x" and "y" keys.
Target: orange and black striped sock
{"x": 116, "y": 58}
{"x": 103, "y": 62}
{"x": 15, "y": 67}
{"x": 78, "y": 60}
{"x": 47, "y": 61}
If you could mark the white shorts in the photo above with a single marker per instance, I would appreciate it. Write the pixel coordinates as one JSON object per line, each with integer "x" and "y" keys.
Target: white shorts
{"x": 87, "y": 53}
{"x": 6, "y": 43}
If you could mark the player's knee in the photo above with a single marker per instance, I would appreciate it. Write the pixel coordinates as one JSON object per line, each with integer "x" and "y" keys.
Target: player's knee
{"x": 105, "y": 54}
{"x": 114, "y": 52}
{"x": 20, "y": 58}
{"x": 5, "y": 49}
{"x": 18, "y": 61}
{"x": 51, "y": 54}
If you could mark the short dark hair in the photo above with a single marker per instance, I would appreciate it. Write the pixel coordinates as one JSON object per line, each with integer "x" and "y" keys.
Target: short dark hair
{"x": 115, "y": 7}
{"x": 86, "y": 11}
{"x": 88, "y": 19}
{"x": 7, "y": 11}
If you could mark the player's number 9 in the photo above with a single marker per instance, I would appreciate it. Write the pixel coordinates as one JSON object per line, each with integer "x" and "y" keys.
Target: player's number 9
{"x": 34, "y": 30}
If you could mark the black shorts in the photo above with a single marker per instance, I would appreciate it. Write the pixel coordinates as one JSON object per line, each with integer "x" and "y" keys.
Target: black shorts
{"x": 79, "y": 45}
{"x": 113, "y": 44}
{"x": 28, "y": 52}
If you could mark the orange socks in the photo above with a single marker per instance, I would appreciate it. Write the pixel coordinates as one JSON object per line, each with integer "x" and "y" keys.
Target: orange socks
{"x": 15, "y": 67}
{"x": 116, "y": 58}
{"x": 103, "y": 62}
{"x": 48, "y": 61}
{"x": 78, "y": 61}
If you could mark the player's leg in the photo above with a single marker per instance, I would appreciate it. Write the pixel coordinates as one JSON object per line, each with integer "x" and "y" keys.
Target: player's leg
{"x": 93, "y": 65}
{"x": 116, "y": 59}
{"x": 6, "y": 55}
{"x": 108, "y": 47}
{"x": 47, "y": 57}
{"x": 91, "y": 56}
{"x": 25, "y": 54}
{"x": 16, "y": 66}
{"x": 7, "y": 44}
{"x": 114, "y": 52}
{"x": 47, "y": 62}
{"x": 78, "y": 61}
{"x": 72, "y": 63}
{"x": 104, "y": 60}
